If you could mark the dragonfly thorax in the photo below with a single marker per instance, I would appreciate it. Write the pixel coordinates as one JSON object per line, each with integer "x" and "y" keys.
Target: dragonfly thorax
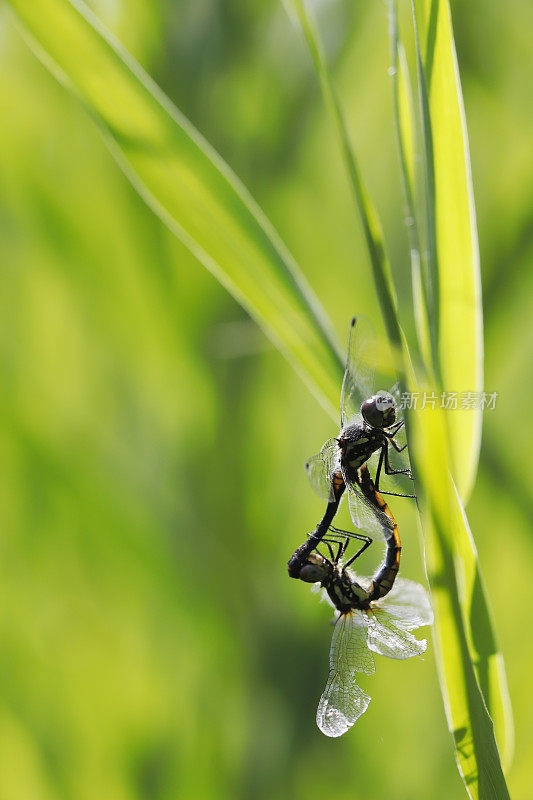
{"x": 342, "y": 588}
{"x": 345, "y": 593}
{"x": 357, "y": 442}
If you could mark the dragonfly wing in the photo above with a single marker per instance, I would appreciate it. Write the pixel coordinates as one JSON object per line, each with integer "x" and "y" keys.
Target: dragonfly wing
{"x": 358, "y": 383}
{"x": 408, "y": 603}
{"x": 321, "y": 467}
{"x": 343, "y": 701}
{"x": 319, "y": 477}
{"x": 387, "y": 638}
{"x": 365, "y": 515}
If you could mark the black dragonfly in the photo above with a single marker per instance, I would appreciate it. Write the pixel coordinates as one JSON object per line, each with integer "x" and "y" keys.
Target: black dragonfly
{"x": 369, "y": 425}
{"x": 373, "y": 615}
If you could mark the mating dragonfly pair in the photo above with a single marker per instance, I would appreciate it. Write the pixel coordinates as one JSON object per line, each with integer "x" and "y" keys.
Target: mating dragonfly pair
{"x": 365, "y": 622}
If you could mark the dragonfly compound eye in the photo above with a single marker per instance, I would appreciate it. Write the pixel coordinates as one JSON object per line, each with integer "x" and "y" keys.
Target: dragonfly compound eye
{"x": 314, "y": 570}
{"x": 379, "y": 411}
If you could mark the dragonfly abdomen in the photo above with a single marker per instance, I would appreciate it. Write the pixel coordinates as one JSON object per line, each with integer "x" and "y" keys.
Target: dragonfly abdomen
{"x": 383, "y": 580}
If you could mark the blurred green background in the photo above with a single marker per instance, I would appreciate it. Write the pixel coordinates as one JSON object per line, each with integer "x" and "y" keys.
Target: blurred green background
{"x": 152, "y": 441}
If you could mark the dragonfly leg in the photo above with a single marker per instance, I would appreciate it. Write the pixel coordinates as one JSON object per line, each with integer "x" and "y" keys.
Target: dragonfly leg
{"x": 391, "y": 433}
{"x": 384, "y": 449}
{"x": 341, "y": 550}
{"x": 388, "y": 468}
{"x": 361, "y": 550}
{"x": 366, "y": 539}
{"x": 410, "y": 496}
{"x": 350, "y": 534}
{"x": 393, "y": 430}
{"x": 397, "y": 494}
{"x": 384, "y": 458}
{"x": 328, "y": 545}
{"x": 397, "y": 446}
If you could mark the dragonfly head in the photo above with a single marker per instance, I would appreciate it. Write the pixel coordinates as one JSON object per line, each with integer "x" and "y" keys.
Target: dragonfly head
{"x": 379, "y": 411}
{"x": 316, "y": 569}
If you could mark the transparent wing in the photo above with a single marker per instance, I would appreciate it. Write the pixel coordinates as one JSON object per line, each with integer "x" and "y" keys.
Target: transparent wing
{"x": 321, "y": 467}
{"x": 385, "y": 637}
{"x": 364, "y": 514}
{"x": 343, "y": 701}
{"x": 358, "y": 383}
{"x": 408, "y": 603}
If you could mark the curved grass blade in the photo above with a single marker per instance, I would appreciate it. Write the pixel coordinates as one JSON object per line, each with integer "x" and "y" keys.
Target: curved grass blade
{"x": 188, "y": 185}
{"x": 464, "y": 663}
{"x": 454, "y": 269}
{"x": 460, "y": 354}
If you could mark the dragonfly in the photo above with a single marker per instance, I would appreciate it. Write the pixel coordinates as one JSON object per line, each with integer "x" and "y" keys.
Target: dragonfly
{"x": 369, "y": 424}
{"x": 365, "y": 622}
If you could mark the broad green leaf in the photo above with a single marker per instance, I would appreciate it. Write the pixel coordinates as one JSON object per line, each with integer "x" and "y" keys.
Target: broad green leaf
{"x": 187, "y": 184}
{"x": 458, "y": 292}
{"x": 456, "y": 588}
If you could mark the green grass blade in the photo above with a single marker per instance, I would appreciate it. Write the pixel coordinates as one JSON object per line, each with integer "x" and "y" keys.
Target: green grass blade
{"x": 460, "y": 333}
{"x": 431, "y": 263}
{"x": 365, "y": 208}
{"x": 455, "y": 587}
{"x": 405, "y": 136}
{"x": 482, "y": 639}
{"x": 188, "y": 185}
{"x": 452, "y": 235}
